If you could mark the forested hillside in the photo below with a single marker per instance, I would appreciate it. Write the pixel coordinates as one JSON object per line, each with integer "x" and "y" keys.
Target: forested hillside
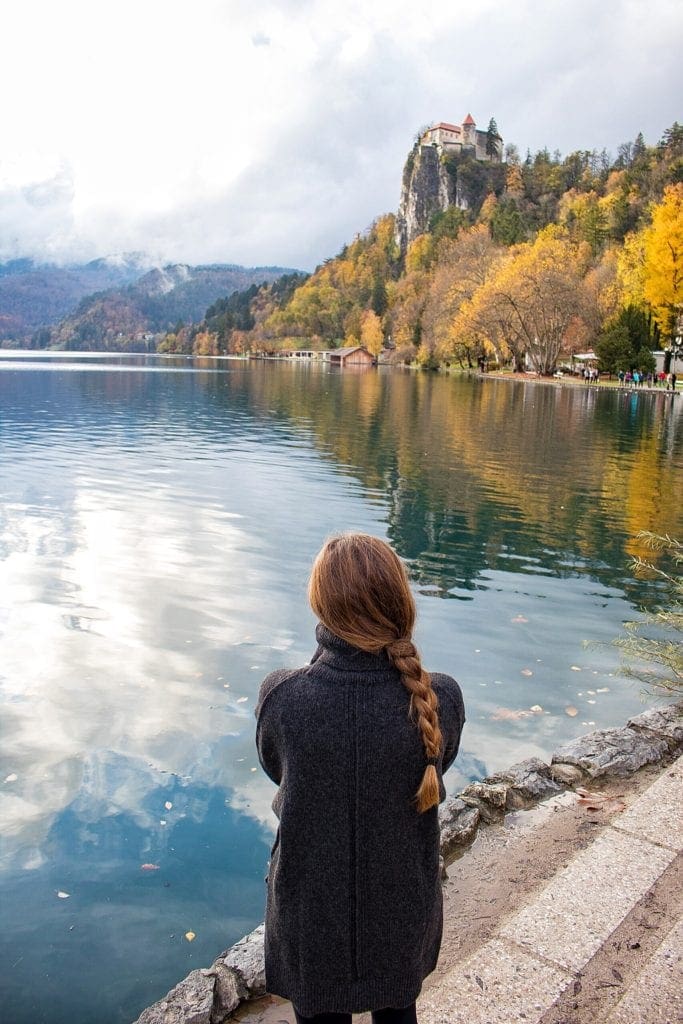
{"x": 131, "y": 318}
{"x": 34, "y": 295}
{"x": 553, "y": 255}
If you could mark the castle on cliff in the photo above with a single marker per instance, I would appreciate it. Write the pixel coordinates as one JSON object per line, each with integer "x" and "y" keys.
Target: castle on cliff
{"x": 461, "y": 138}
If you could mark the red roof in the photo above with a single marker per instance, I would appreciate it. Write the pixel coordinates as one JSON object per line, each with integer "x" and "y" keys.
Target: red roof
{"x": 469, "y": 120}
{"x": 449, "y": 127}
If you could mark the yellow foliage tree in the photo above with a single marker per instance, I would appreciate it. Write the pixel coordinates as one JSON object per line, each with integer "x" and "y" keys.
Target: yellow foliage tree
{"x": 631, "y": 269}
{"x": 663, "y": 259}
{"x": 371, "y": 334}
{"x": 526, "y": 307}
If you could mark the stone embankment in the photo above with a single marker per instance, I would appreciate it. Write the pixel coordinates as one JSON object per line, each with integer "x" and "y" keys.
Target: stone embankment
{"x": 212, "y": 995}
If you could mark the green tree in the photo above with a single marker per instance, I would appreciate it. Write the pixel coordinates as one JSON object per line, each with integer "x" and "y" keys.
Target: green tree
{"x": 492, "y": 140}
{"x": 507, "y": 224}
{"x": 625, "y": 343}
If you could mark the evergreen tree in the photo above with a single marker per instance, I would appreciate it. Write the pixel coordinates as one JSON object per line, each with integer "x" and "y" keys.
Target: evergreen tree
{"x": 492, "y": 139}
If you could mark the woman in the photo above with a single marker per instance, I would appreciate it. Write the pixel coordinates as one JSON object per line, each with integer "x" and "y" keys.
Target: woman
{"x": 357, "y": 742}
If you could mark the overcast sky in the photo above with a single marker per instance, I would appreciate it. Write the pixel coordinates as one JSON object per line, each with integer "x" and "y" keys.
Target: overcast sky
{"x": 261, "y": 132}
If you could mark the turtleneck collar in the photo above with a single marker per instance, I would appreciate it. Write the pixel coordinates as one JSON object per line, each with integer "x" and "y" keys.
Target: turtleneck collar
{"x": 339, "y": 654}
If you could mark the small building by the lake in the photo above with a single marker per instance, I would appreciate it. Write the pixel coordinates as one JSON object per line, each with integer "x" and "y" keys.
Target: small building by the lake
{"x": 357, "y": 355}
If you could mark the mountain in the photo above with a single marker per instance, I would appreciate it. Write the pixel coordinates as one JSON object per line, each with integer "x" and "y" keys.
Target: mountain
{"x": 35, "y": 295}
{"x": 159, "y": 300}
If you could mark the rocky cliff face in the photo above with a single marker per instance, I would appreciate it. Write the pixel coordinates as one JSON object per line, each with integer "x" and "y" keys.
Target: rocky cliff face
{"x": 427, "y": 188}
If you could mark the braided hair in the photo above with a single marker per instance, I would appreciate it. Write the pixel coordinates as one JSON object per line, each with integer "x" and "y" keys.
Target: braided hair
{"x": 359, "y": 590}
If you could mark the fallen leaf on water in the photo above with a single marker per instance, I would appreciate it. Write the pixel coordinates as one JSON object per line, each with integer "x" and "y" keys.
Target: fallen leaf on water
{"x": 63, "y": 895}
{"x": 508, "y": 714}
{"x": 571, "y": 711}
{"x": 527, "y": 672}
{"x": 149, "y": 867}
{"x": 575, "y": 668}
{"x": 519, "y": 618}
{"x": 168, "y": 805}
{"x": 190, "y": 936}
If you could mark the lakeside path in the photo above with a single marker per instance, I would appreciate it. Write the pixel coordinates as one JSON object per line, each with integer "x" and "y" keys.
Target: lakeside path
{"x": 562, "y": 915}
{"x": 576, "y": 382}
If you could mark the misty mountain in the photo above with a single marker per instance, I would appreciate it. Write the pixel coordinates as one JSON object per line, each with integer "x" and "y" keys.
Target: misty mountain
{"x": 157, "y": 302}
{"x": 34, "y": 295}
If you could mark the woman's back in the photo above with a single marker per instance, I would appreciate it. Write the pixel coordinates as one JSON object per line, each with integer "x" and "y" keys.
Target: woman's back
{"x": 354, "y": 901}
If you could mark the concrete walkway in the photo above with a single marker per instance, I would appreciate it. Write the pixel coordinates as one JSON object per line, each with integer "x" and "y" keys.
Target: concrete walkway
{"x": 553, "y": 961}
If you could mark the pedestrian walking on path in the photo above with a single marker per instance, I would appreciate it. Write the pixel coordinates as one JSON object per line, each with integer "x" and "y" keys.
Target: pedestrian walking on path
{"x": 357, "y": 742}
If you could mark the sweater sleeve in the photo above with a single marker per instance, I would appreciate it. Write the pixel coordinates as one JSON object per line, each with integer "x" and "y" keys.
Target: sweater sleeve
{"x": 452, "y": 718}
{"x": 267, "y": 739}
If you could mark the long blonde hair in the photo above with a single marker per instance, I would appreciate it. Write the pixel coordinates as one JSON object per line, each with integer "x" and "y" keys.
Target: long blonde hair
{"x": 359, "y": 590}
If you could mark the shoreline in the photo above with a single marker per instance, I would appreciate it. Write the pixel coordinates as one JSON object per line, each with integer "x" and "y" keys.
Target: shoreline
{"x": 574, "y": 382}
{"x": 617, "y": 759}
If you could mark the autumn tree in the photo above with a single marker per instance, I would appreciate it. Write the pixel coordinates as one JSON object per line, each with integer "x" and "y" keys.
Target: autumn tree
{"x": 464, "y": 266}
{"x": 663, "y": 260}
{"x": 371, "y": 334}
{"x": 526, "y": 307}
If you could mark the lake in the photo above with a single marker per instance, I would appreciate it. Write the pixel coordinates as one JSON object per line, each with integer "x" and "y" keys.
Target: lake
{"x": 159, "y": 519}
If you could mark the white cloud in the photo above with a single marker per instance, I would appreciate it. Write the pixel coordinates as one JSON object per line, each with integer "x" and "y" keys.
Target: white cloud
{"x": 273, "y": 131}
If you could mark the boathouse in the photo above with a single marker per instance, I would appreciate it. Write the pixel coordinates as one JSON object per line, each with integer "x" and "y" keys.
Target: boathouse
{"x": 358, "y": 355}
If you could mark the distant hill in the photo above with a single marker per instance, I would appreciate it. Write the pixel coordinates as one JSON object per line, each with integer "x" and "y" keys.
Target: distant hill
{"x": 34, "y": 295}
{"x": 157, "y": 302}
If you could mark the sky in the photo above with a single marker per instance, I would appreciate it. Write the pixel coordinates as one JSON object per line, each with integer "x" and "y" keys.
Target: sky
{"x": 270, "y": 132}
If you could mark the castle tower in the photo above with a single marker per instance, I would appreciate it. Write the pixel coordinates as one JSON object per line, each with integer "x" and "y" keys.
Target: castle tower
{"x": 469, "y": 132}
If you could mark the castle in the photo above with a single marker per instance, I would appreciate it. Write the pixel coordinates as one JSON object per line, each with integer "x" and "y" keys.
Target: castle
{"x": 461, "y": 138}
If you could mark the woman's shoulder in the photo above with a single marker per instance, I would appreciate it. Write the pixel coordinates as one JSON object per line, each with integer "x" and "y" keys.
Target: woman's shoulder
{"x": 273, "y": 684}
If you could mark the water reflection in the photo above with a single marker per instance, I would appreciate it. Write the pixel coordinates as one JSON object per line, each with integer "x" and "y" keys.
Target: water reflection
{"x": 155, "y": 538}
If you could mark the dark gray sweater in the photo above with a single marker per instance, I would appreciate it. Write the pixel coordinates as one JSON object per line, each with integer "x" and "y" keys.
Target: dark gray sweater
{"x": 354, "y": 905}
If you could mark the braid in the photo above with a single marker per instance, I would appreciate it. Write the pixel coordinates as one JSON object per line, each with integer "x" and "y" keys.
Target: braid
{"x": 424, "y": 705}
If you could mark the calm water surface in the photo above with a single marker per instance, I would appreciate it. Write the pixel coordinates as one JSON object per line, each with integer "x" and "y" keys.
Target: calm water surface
{"x": 158, "y": 522}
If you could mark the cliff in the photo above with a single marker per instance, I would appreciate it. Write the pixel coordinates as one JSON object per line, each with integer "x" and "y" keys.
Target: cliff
{"x": 427, "y": 188}
{"x": 434, "y": 180}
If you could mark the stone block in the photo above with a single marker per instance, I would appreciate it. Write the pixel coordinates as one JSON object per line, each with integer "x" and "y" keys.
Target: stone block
{"x": 656, "y": 996}
{"x": 497, "y": 985}
{"x": 190, "y": 1002}
{"x": 458, "y": 824}
{"x": 247, "y": 958}
{"x": 574, "y": 915}
{"x": 228, "y": 993}
{"x": 528, "y": 782}
{"x": 666, "y": 722}
{"x": 566, "y": 774}
{"x": 656, "y": 815}
{"x": 612, "y": 751}
{"x": 490, "y": 799}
